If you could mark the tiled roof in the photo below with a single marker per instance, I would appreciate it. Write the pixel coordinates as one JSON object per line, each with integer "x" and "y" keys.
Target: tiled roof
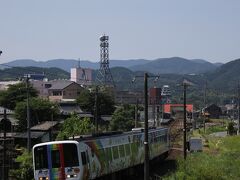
{"x": 88, "y": 115}
{"x": 44, "y": 126}
{"x": 60, "y": 84}
{"x": 34, "y": 135}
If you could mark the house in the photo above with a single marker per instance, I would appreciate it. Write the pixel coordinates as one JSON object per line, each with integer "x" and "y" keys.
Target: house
{"x": 67, "y": 107}
{"x": 11, "y": 121}
{"x": 128, "y": 97}
{"x": 64, "y": 89}
{"x": 214, "y": 111}
{"x": 42, "y": 87}
{"x": 47, "y": 128}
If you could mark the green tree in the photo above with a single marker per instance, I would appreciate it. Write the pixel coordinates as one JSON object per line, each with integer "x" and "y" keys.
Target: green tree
{"x": 75, "y": 126}
{"x": 86, "y": 100}
{"x": 14, "y": 94}
{"x": 123, "y": 118}
{"x": 40, "y": 110}
{"x": 25, "y": 170}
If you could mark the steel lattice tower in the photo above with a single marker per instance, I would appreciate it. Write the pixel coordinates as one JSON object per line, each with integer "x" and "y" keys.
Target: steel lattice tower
{"x": 104, "y": 75}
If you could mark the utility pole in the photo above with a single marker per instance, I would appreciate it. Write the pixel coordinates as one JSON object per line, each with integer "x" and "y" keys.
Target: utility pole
{"x": 136, "y": 113}
{"x": 184, "y": 122}
{"x": 146, "y": 148}
{"x": 204, "y": 115}
{"x": 96, "y": 109}
{"x": 28, "y": 116}
{"x": 5, "y": 175}
{"x": 238, "y": 89}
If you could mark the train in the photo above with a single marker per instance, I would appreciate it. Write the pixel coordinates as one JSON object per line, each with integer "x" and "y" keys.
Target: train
{"x": 94, "y": 156}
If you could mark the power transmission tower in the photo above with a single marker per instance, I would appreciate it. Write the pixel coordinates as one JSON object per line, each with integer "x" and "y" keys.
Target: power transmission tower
{"x": 104, "y": 75}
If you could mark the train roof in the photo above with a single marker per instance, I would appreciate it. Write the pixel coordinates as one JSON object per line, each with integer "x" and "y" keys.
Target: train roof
{"x": 113, "y": 134}
{"x": 94, "y": 136}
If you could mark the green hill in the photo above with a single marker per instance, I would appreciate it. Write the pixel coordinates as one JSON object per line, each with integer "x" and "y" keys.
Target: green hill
{"x": 226, "y": 77}
{"x": 18, "y": 72}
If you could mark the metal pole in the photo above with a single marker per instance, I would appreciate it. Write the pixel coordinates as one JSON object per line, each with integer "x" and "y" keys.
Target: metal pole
{"x": 146, "y": 150}
{"x": 238, "y": 109}
{"x": 204, "y": 115}
{"x": 185, "y": 122}
{"x": 96, "y": 109}
{"x": 28, "y": 118}
{"x": 136, "y": 113}
{"x": 4, "y": 146}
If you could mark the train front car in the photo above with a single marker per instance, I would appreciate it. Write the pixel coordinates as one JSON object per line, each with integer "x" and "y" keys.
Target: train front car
{"x": 57, "y": 160}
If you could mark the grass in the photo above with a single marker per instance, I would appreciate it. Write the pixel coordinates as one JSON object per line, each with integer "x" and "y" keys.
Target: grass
{"x": 220, "y": 159}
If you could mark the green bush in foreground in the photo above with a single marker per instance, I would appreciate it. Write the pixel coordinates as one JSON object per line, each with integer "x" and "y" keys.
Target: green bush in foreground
{"x": 25, "y": 170}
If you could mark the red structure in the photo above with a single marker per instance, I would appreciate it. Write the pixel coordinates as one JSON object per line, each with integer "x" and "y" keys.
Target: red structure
{"x": 155, "y": 96}
{"x": 168, "y": 108}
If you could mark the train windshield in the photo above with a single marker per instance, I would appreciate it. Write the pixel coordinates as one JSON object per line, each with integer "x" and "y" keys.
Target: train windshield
{"x": 41, "y": 156}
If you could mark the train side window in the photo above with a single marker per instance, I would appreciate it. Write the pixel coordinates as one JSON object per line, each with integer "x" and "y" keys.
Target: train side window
{"x": 127, "y": 148}
{"x": 121, "y": 151}
{"x": 84, "y": 159}
{"x": 87, "y": 157}
{"x": 115, "y": 152}
{"x": 134, "y": 148}
{"x": 108, "y": 153}
{"x": 101, "y": 152}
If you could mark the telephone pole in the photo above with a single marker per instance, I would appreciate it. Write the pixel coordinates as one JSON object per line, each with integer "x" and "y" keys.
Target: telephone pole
{"x": 185, "y": 84}
{"x": 5, "y": 175}
{"x": 96, "y": 109}
{"x": 238, "y": 89}
{"x": 28, "y": 115}
{"x": 146, "y": 146}
{"x": 204, "y": 115}
{"x": 184, "y": 122}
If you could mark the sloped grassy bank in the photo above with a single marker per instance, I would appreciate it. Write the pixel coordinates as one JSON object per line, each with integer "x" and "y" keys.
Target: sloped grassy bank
{"x": 219, "y": 160}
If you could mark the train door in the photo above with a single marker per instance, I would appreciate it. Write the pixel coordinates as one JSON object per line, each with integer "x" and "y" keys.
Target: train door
{"x": 85, "y": 164}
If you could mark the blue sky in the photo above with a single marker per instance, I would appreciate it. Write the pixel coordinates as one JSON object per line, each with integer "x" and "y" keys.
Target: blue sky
{"x": 149, "y": 29}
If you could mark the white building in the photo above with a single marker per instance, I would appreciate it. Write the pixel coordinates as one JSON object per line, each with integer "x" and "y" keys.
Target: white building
{"x": 82, "y": 76}
{"x": 5, "y": 84}
{"x": 166, "y": 91}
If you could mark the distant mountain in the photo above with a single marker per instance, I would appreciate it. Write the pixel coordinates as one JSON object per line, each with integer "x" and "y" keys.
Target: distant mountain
{"x": 175, "y": 65}
{"x": 67, "y": 64}
{"x": 218, "y": 64}
{"x": 127, "y": 63}
{"x": 226, "y": 76}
